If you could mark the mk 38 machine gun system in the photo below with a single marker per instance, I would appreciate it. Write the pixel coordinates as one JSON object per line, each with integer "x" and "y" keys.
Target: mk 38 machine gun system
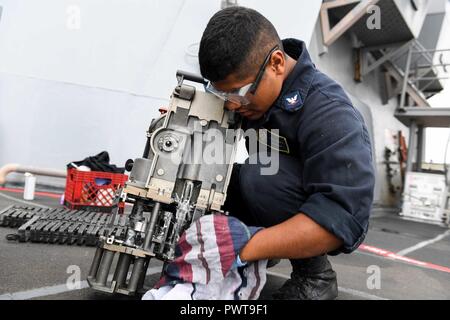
{"x": 172, "y": 185}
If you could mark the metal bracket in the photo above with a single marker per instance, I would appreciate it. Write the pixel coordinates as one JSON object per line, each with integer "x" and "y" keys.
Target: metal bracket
{"x": 389, "y": 53}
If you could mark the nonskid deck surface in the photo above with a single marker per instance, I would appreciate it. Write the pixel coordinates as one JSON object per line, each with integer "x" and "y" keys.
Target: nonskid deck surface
{"x": 399, "y": 259}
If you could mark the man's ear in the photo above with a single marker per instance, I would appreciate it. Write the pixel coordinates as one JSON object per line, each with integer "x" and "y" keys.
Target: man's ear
{"x": 278, "y": 62}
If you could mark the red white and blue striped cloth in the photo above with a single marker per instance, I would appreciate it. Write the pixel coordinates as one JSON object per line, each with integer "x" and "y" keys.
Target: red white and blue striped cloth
{"x": 203, "y": 268}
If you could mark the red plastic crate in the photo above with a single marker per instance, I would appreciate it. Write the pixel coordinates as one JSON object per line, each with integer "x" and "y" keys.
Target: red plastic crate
{"x": 92, "y": 190}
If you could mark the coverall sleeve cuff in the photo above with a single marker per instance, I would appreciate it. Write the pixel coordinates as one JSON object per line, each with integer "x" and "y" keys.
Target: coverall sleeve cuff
{"x": 335, "y": 219}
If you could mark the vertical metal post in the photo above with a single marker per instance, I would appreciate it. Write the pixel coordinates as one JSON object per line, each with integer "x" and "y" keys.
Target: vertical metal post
{"x": 105, "y": 266}
{"x": 405, "y": 79}
{"x": 120, "y": 275}
{"x": 420, "y": 149}
{"x": 136, "y": 274}
{"x": 151, "y": 226}
{"x": 96, "y": 262}
{"x": 143, "y": 276}
{"x": 412, "y": 145}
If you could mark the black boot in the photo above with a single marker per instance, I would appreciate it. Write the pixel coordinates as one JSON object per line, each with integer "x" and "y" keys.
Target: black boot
{"x": 311, "y": 279}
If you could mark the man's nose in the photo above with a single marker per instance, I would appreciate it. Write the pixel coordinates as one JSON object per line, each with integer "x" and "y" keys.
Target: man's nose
{"x": 232, "y": 106}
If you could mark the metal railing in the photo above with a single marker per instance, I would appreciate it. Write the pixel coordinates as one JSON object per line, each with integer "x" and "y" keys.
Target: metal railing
{"x": 414, "y": 74}
{"x": 417, "y": 52}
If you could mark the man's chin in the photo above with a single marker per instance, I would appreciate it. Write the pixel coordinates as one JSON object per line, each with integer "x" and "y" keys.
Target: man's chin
{"x": 253, "y": 116}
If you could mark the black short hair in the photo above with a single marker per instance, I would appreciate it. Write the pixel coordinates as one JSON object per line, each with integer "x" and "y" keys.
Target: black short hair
{"x": 235, "y": 41}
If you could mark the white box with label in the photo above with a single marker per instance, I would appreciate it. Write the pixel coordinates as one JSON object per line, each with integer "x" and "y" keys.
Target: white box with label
{"x": 424, "y": 196}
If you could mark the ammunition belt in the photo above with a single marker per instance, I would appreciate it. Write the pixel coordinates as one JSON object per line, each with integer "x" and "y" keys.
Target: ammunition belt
{"x": 59, "y": 225}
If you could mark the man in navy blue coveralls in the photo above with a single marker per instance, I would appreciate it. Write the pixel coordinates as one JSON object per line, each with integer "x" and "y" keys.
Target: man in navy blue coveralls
{"x": 319, "y": 201}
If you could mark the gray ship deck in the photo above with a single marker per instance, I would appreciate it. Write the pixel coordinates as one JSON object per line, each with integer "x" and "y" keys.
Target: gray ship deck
{"x": 39, "y": 271}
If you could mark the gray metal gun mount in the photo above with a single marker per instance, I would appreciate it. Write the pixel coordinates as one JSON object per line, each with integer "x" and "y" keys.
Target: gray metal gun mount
{"x": 172, "y": 185}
